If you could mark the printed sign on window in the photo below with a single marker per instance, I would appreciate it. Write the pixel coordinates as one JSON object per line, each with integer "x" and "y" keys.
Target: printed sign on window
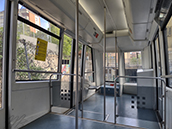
{"x": 41, "y": 50}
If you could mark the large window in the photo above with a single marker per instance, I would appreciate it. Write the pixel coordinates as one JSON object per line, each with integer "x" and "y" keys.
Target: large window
{"x": 132, "y": 63}
{"x": 88, "y": 64}
{"x": 110, "y": 66}
{"x": 66, "y": 57}
{"x": 27, "y": 36}
{"x": 1, "y": 48}
{"x": 169, "y": 48}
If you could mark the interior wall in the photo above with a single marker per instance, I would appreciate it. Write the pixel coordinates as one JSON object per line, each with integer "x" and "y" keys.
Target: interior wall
{"x": 146, "y": 59}
{"x": 98, "y": 61}
{"x": 29, "y": 102}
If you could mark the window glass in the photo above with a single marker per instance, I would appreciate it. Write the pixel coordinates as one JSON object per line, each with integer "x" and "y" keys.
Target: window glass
{"x": 88, "y": 64}
{"x": 132, "y": 63}
{"x": 169, "y": 46}
{"x": 36, "y": 19}
{"x": 110, "y": 66}
{"x": 66, "y": 57}
{"x": 79, "y": 62}
{"x": 1, "y": 48}
{"x": 28, "y": 62}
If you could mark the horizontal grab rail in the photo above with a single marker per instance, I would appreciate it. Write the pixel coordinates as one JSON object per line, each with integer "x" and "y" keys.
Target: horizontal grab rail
{"x": 166, "y": 76}
{"x": 37, "y": 71}
{"x": 33, "y": 71}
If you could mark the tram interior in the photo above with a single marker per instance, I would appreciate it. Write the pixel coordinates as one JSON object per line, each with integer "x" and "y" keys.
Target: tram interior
{"x": 121, "y": 45}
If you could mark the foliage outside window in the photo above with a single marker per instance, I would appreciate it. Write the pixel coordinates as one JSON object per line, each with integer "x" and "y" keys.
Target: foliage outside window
{"x": 1, "y": 46}
{"x": 30, "y": 35}
{"x": 66, "y": 57}
{"x": 132, "y": 63}
{"x": 110, "y": 66}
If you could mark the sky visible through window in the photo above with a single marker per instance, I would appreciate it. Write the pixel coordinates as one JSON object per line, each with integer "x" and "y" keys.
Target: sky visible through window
{"x": 2, "y": 3}
{"x": 44, "y": 23}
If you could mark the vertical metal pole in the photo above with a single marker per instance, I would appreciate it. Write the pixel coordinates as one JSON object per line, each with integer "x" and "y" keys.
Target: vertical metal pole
{"x": 165, "y": 106}
{"x": 76, "y": 38}
{"x": 104, "y": 63}
{"x": 115, "y": 81}
{"x": 82, "y": 113}
{"x": 83, "y": 77}
{"x": 60, "y": 52}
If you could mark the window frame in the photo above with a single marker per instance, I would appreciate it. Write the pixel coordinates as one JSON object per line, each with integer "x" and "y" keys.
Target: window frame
{"x": 27, "y": 22}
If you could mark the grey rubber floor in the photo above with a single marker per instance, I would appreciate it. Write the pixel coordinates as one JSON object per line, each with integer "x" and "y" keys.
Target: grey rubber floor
{"x": 93, "y": 109}
{"x": 51, "y": 121}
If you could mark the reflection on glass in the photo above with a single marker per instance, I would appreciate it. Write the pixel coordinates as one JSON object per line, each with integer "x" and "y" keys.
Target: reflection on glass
{"x": 79, "y": 62}
{"x": 110, "y": 66}
{"x": 169, "y": 40}
{"x": 1, "y": 48}
{"x": 36, "y": 19}
{"x": 88, "y": 64}
{"x": 132, "y": 63}
{"x": 25, "y": 32}
{"x": 66, "y": 57}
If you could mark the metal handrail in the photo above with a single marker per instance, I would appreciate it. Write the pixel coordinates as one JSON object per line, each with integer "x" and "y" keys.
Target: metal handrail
{"x": 33, "y": 71}
{"x": 142, "y": 77}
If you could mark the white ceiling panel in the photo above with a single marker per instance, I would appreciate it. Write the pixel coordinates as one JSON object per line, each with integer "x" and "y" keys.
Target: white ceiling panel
{"x": 116, "y": 11}
{"x": 140, "y": 10}
{"x": 139, "y": 31}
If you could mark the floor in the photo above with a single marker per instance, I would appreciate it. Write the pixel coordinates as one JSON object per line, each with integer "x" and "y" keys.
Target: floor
{"x": 52, "y": 121}
{"x": 93, "y": 109}
{"x": 127, "y": 114}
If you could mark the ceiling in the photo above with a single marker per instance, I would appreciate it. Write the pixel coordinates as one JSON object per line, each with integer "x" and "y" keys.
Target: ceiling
{"x": 135, "y": 16}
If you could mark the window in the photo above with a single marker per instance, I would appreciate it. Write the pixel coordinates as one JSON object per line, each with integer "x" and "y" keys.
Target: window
{"x": 79, "y": 62}
{"x": 110, "y": 66}
{"x": 36, "y": 19}
{"x": 132, "y": 63}
{"x": 168, "y": 37}
{"x": 88, "y": 64}
{"x": 1, "y": 46}
{"x": 66, "y": 57}
{"x": 25, "y": 51}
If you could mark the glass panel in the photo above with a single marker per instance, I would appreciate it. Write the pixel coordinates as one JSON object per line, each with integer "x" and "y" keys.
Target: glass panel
{"x": 66, "y": 57}
{"x": 36, "y": 19}
{"x": 88, "y": 64}
{"x": 25, "y": 32}
{"x": 169, "y": 45}
{"x": 110, "y": 66}
{"x": 132, "y": 63}
{"x": 79, "y": 61}
{"x": 1, "y": 42}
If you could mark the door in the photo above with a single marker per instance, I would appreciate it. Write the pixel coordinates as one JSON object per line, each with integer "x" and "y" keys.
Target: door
{"x": 2, "y": 98}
